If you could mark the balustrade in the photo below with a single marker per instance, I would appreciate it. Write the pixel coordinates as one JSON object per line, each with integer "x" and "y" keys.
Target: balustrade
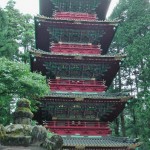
{"x": 78, "y": 127}
{"x": 77, "y": 85}
{"x": 74, "y": 15}
{"x": 75, "y": 49}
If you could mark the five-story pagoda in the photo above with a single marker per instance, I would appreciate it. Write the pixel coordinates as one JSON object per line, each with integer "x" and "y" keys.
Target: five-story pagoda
{"x": 72, "y": 41}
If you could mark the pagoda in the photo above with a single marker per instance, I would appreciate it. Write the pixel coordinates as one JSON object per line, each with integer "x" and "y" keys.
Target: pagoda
{"x": 72, "y": 42}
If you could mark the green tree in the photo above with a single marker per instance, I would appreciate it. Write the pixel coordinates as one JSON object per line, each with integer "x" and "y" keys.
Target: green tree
{"x": 18, "y": 33}
{"x": 133, "y": 38}
{"x": 16, "y": 81}
{"x": 10, "y": 48}
{"x": 27, "y": 37}
{"x": 3, "y": 30}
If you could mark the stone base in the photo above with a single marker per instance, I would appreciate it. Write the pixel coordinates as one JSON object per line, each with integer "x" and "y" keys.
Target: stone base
{"x": 16, "y": 140}
{"x": 20, "y": 148}
{"x": 23, "y": 121}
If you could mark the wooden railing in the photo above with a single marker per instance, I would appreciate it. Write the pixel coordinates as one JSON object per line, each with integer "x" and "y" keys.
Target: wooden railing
{"x": 74, "y": 15}
{"x": 79, "y": 45}
{"x": 77, "y": 82}
{"x": 77, "y": 85}
{"x": 76, "y": 124}
{"x": 78, "y": 127}
{"x": 75, "y": 49}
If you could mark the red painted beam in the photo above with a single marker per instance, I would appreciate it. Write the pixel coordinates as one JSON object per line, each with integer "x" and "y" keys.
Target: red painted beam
{"x": 78, "y": 127}
{"x": 74, "y": 15}
{"x": 74, "y": 85}
{"x": 76, "y": 49}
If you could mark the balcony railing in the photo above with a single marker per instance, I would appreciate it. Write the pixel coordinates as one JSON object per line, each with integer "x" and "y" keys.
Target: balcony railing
{"x": 77, "y": 85}
{"x": 75, "y": 49}
{"x": 78, "y": 127}
{"x": 74, "y": 15}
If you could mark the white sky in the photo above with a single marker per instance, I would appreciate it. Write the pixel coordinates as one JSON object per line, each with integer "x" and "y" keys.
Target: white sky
{"x": 32, "y": 6}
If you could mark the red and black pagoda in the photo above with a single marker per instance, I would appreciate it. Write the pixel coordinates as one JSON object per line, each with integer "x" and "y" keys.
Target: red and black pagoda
{"x": 72, "y": 42}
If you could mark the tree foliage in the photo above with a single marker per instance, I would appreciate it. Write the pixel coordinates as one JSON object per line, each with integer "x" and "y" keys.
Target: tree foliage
{"x": 18, "y": 32}
{"x": 16, "y": 81}
{"x": 133, "y": 38}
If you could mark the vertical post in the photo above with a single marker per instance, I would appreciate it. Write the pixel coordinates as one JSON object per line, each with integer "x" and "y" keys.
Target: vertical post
{"x": 54, "y": 123}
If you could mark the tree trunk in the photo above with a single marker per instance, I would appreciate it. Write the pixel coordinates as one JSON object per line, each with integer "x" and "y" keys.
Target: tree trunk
{"x": 122, "y": 114}
{"x": 123, "y": 130}
{"x": 134, "y": 122}
{"x": 117, "y": 127}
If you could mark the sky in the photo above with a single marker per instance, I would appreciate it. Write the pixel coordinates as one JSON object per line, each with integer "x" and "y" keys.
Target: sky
{"x": 32, "y": 6}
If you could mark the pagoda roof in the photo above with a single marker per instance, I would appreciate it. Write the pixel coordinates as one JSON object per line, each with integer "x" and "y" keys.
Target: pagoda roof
{"x": 108, "y": 64}
{"x": 47, "y": 7}
{"x": 71, "y": 20}
{"x": 103, "y": 96}
{"x": 100, "y": 142}
{"x": 103, "y": 31}
{"x": 39, "y": 52}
